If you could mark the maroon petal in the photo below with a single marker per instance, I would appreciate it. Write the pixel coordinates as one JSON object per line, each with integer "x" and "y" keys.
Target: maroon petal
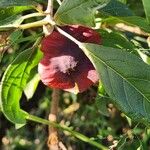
{"x": 53, "y": 72}
{"x": 86, "y": 75}
{"x": 83, "y": 34}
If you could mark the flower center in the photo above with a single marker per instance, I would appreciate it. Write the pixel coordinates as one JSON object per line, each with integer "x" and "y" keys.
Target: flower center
{"x": 64, "y": 63}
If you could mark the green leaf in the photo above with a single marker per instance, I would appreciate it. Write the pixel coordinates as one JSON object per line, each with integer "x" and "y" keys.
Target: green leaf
{"x": 11, "y": 16}
{"x": 126, "y": 79}
{"x": 11, "y": 22}
{"x": 10, "y": 11}
{"x": 101, "y": 103}
{"x": 31, "y": 86}
{"x": 123, "y": 1}
{"x": 102, "y": 100}
{"x": 13, "y": 83}
{"x": 117, "y": 12}
{"x": 30, "y": 38}
{"x": 145, "y": 58}
{"x": 7, "y": 3}
{"x": 131, "y": 21}
{"x": 115, "y": 8}
{"x": 15, "y": 36}
{"x": 122, "y": 142}
{"x": 115, "y": 40}
{"x": 78, "y": 12}
{"x": 146, "y": 5}
{"x": 18, "y": 126}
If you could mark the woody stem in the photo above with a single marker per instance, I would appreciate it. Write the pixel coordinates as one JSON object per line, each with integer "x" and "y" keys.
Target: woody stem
{"x": 53, "y": 134}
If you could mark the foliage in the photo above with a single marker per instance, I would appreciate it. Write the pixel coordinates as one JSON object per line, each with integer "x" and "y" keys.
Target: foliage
{"x": 122, "y": 62}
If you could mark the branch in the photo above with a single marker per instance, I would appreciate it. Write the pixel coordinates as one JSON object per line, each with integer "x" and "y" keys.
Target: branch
{"x": 33, "y": 15}
{"x": 47, "y": 22}
{"x": 32, "y": 25}
{"x": 48, "y": 29}
{"x": 53, "y": 142}
{"x": 49, "y": 7}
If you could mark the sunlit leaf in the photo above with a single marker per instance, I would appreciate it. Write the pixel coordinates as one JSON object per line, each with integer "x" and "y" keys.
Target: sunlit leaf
{"x": 31, "y": 86}
{"x": 13, "y": 83}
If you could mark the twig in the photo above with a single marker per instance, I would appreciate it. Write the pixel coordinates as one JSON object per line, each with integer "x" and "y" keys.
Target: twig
{"x": 53, "y": 142}
{"x": 49, "y": 7}
{"x": 32, "y": 25}
{"x": 48, "y": 22}
{"x": 33, "y": 15}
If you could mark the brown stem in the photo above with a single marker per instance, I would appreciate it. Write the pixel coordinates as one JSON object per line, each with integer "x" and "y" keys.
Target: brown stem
{"x": 53, "y": 142}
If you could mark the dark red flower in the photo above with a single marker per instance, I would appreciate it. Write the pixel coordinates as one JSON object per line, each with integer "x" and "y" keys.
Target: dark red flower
{"x": 64, "y": 65}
